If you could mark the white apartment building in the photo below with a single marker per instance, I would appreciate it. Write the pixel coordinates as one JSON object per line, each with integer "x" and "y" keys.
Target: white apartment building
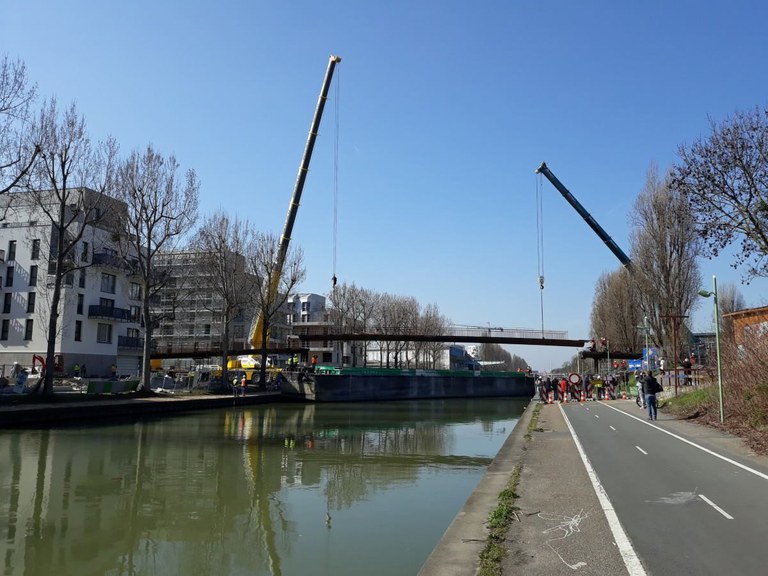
{"x": 99, "y": 314}
{"x": 306, "y": 315}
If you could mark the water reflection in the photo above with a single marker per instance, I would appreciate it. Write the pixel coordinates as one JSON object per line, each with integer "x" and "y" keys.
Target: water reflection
{"x": 280, "y": 489}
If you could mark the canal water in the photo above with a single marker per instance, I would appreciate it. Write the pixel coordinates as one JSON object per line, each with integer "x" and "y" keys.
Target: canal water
{"x": 283, "y": 489}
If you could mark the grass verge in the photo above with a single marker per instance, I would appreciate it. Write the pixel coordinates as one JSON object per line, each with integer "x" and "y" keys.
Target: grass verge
{"x": 500, "y": 517}
{"x": 690, "y": 403}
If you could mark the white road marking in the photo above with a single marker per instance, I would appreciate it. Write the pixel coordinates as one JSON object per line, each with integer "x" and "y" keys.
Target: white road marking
{"x": 597, "y": 416}
{"x": 612, "y": 428}
{"x": 707, "y": 450}
{"x": 641, "y": 450}
{"x": 628, "y": 554}
{"x": 715, "y": 506}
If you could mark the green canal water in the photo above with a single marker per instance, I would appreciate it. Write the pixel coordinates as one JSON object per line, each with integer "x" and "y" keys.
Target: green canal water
{"x": 282, "y": 490}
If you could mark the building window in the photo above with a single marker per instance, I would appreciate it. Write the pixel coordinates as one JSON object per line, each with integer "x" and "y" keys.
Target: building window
{"x": 135, "y": 291}
{"x": 11, "y": 250}
{"x": 82, "y": 278}
{"x": 106, "y": 303}
{"x": 33, "y": 275}
{"x": 108, "y": 283}
{"x": 9, "y": 276}
{"x": 207, "y": 329}
{"x": 4, "y": 330}
{"x": 135, "y": 313}
{"x": 35, "y": 249}
{"x": 28, "y": 327}
{"x": 7, "y": 303}
{"x": 305, "y": 306}
{"x": 104, "y": 335}
{"x": 69, "y": 279}
{"x": 78, "y": 330}
{"x": 31, "y": 302}
{"x": 80, "y": 303}
{"x": 133, "y": 333}
{"x": 84, "y": 255}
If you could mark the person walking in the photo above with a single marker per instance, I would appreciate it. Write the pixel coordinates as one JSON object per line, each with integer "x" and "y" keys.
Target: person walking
{"x": 639, "y": 377}
{"x": 243, "y": 384}
{"x": 76, "y": 370}
{"x": 547, "y": 389}
{"x": 651, "y": 387}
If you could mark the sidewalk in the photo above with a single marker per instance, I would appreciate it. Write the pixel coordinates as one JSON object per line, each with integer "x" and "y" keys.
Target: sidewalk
{"x": 562, "y": 527}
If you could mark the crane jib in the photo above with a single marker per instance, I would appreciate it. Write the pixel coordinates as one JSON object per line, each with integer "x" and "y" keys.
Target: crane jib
{"x": 602, "y": 234}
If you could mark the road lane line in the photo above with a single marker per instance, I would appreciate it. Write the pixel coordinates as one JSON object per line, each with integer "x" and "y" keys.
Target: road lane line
{"x": 628, "y": 554}
{"x": 641, "y": 450}
{"x": 597, "y": 416}
{"x": 612, "y": 428}
{"x": 707, "y": 450}
{"x": 715, "y": 506}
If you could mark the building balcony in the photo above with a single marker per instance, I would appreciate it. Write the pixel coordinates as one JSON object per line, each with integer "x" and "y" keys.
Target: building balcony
{"x": 129, "y": 343}
{"x": 110, "y": 313}
{"x": 108, "y": 260}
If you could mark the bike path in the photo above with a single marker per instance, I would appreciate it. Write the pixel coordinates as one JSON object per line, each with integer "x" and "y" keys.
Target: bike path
{"x": 684, "y": 509}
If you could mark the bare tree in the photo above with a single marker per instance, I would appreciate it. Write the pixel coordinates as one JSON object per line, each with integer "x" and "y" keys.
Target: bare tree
{"x": 665, "y": 249}
{"x": 616, "y": 314}
{"x": 724, "y": 179}
{"x": 223, "y": 243}
{"x": 352, "y": 310}
{"x": 434, "y": 323}
{"x": 729, "y": 299}
{"x": 161, "y": 210}
{"x": 273, "y": 284}
{"x": 406, "y": 317}
{"x": 383, "y": 322}
{"x": 68, "y": 185}
{"x": 17, "y": 150}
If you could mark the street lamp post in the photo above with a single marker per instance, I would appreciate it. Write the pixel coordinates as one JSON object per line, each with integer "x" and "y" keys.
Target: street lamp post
{"x": 707, "y": 294}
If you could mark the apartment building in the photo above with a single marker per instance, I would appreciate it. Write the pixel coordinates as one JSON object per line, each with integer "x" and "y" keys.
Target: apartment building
{"x": 189, "y": 310}
{"x": 306, "y": 315}
{"x": 99, "y": 313}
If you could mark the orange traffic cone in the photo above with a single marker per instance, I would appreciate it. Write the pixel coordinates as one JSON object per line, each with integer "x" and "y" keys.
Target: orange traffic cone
{"x": 550, "y": 398}
{"x": 583, "y": 397}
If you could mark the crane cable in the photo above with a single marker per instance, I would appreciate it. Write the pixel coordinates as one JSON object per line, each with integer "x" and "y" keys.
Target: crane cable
{"x": 336, "y": 177}
{"x": 540, "y": 245}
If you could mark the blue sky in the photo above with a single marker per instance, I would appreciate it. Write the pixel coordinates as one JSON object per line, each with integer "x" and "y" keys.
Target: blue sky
{"x": 446, "y": 109}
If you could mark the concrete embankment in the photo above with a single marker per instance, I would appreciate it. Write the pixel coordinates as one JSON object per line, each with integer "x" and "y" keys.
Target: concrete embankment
{"x": 79, "y": 408}
{"x": 559, "y": 526}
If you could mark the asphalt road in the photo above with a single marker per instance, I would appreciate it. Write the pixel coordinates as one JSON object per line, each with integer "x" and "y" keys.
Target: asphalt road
{"x": 684, "y": 510}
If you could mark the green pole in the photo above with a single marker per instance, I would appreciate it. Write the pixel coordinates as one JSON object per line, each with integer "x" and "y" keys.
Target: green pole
{"x": 717, "y": 349}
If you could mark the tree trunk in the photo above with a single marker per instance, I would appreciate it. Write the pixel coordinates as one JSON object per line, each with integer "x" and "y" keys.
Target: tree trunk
{"x": 263, "y": 367}
{"x": 53, "y": 324}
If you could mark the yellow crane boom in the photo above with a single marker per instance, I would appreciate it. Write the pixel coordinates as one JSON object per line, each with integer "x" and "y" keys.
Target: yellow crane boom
{"x": 293, "y": 207}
